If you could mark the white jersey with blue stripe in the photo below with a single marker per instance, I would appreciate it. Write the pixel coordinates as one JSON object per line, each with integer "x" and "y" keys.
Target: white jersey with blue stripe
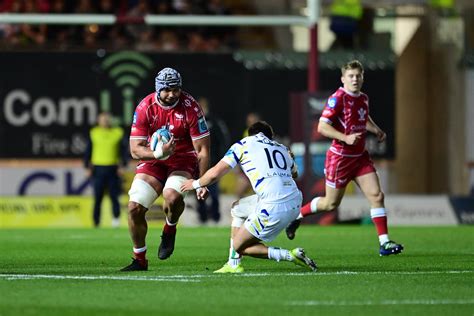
{"x": 267, "y": 164}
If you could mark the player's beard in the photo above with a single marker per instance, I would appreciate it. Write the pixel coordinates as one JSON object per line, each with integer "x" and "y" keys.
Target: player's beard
{"x": 168, "y": 103}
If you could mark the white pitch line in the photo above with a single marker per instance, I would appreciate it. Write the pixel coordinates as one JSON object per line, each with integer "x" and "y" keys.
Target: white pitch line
{"x": 385, "y": 302}
{"x": 196, "y": 277}
{"x": 95, "y": 277}
{"x": 355, "y": 273}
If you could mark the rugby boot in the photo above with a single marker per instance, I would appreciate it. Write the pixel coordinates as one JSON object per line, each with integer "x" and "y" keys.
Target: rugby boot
{"x": 136, "y": 265}
{"x": 300, "y": 258}
{"x": 291, "y": 229}
{"x": 390, "y": 248}
{"x": 227, "y": 268}
{"x": 166, "y": 246}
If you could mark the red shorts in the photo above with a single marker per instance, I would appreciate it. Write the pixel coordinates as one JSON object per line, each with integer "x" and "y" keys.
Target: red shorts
{"x": 340, "y": 170}
{"x": 161, "y": 169}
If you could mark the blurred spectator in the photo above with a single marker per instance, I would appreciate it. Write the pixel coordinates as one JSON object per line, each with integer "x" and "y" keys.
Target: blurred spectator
{"x": 105, "y": 156}
{"x": 115, "y": 36}
{"x": 146, "y": 41}
{"x": 164, "y": 7}
{"x": 220, "y": 141}
{"x": 365, "y": 28}
{"x": 121, "y": 35}
{"x": 137, "y": 14}
{"x": 32, "y": 33}
{"x": 186, "y": 7}
{"x": 105, "y": 31}
{"x": 214, "y": 44}
{"x": 443, "y": 7}
{"x": 24, "y": 35}
{"x": 345, "y": 17}
{"x": 119, "y": 38}
{"x": 90, "y": 35}
{"x": 216, "y": 7}
{"x": 168, "y": 41}
{"x": 196, "y": 42}
{"x": 59, "y": 35}
{"x": 84, "y": 36}
{"x": 11, "y": 32}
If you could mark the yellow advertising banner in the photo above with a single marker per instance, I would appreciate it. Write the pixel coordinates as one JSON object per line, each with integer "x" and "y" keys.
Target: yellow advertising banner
{"x": 62, "y": 211}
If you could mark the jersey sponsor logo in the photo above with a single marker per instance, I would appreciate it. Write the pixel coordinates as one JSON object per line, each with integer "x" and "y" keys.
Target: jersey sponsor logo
{"x": 187, "y": 102}
{"x": 358, "y": 128}
{"x": 202, "y": 125}
{"x": 332, "y": 102}
{"x": 179, "y": 116}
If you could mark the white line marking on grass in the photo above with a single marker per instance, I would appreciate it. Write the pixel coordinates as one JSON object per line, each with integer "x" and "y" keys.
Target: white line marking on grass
{"x": 96, "y": 277}
{"x": 354, "y": 273}
{"x": 383, "y": 302}
{"x": 196, "y": 277}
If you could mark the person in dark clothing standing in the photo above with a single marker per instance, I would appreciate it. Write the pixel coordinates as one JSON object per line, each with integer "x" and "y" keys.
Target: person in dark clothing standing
{"x": 105, "y": 157}
{"x": 220, "y": 141}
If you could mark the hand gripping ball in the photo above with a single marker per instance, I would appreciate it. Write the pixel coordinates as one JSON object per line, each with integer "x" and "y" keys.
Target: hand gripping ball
{"x": 162, "y": 136}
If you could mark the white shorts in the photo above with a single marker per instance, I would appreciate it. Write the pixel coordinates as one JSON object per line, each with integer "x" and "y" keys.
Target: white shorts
{"x": 242, "y": 209}
{"x": 269, "y": 219}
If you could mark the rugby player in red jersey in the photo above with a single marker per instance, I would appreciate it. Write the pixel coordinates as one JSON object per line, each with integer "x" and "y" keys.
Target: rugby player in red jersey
{"x": 346, "y": 120}
{"x": 162, "y": 170}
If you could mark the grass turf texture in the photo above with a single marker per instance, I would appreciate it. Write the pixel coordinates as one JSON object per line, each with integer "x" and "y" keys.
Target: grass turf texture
{"x": 75, "y": 272}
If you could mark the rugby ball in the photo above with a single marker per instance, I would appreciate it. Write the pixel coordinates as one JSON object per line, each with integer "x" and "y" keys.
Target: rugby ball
{"x": 161, "y": 135}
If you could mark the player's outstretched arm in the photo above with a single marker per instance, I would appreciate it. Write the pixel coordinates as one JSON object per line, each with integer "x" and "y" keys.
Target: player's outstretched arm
{"x": 211, "y": 176}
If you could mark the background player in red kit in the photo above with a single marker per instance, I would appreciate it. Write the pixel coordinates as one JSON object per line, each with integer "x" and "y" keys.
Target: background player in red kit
{"x": 164, "y": 169}
{"x": 346, "y": 120}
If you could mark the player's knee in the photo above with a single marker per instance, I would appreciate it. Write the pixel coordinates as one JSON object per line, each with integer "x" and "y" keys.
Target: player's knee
{"x": 136, "y": 210}
{"x": 378, "y": 197}
{"x": 172, "y": 197}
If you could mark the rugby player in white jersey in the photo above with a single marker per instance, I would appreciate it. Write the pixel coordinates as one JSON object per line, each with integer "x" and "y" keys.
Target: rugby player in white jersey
{"x": 268, "y": 165}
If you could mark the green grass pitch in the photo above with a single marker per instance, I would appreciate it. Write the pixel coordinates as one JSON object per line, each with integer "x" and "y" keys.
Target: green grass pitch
{"x": 75, "y": 272}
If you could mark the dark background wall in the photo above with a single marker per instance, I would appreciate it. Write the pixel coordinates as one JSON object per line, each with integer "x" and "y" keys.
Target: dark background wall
{"x": 233, "y": 91}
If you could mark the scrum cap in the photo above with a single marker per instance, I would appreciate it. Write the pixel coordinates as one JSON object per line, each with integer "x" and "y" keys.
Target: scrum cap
{"x": 167, "y": 78}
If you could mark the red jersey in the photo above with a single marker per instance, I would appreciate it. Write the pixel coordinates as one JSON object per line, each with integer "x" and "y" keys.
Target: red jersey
{"x": 185, "y": 120}
{"x": 348, "y": 113}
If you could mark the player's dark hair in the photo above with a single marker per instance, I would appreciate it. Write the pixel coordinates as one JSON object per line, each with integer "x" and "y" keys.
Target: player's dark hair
{"x": 353, "y": 64}
{"x": 261, "y": 127}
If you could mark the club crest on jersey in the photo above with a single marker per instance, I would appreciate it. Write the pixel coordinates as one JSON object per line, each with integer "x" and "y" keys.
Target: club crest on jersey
{"x": 361, "y": 113}
{"x": 332, "y": 102}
